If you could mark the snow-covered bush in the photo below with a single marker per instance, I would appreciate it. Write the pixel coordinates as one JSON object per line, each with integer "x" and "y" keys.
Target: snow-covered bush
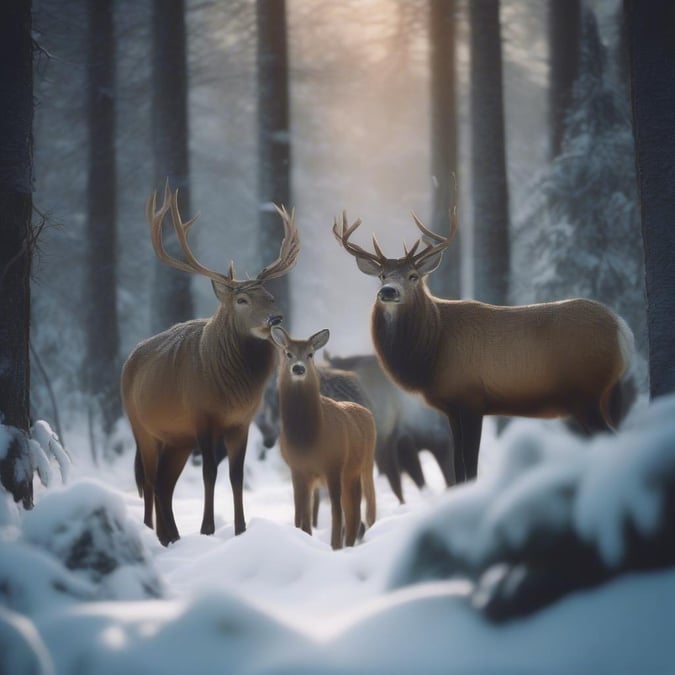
{"x": 86, "y": 527}
{"x": 557, "y": 513}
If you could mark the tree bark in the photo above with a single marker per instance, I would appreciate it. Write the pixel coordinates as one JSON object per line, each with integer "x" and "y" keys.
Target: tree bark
{"x": 446, "y": 282}
{"x": 102, "y": 330}
{"x": 16, "y": 205}
{"x": 564, "y": 34}
{"x": 172, "y": 296}
{"x": 651, "y": 34}
{"x": 489, "y": 178}
{"x": 274, "y": 155}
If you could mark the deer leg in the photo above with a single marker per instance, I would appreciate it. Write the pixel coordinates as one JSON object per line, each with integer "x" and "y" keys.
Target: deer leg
{"x": 315, "y": 507}
{"x": 459, "y": 464}
{"x": 209, "y": 474}
{"x": 472, "y": 427}
{"x": 335, "y": 494}
{"x": 351, "y": 507}
{"x": 235, "y": 443}
{"x": 145, "y": 484}
{"x": 444, "y": 458}
{"x": 302, "y": 495}
{"x": 170, "y": 463}
{"x": 409, "y": 461}
{"x": 387, "y": 463}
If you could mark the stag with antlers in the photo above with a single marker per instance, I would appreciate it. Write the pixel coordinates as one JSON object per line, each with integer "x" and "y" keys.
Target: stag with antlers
{"x": 200, "y": 382}
{"x": 469, "y": 359}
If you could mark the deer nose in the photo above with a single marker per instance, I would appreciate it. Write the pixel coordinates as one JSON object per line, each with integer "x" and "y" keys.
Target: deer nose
{"x": 389, "y": 294}
{"x": 275, "y": 320}
{"x": 298, "y": 369}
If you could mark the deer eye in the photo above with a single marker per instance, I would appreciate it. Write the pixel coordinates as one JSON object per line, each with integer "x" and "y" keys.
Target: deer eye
{"x": 242, "y": 301}
{"x": 289, "y": 355}
{"x": 413, "y": 276}
{"x": 310, "y": 355}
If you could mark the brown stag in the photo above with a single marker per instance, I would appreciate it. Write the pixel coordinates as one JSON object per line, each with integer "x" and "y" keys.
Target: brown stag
{"x": 469, "y": 359}
{"x": 199, "y": 383}
{"x": 324, "y": 442}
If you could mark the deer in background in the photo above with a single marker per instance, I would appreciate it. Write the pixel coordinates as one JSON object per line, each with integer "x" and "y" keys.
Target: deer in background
{"x": 405, "y": 425}
{"x": 200, "y": 382}
{"x": 324, "y": 441}
{"x": 469, "y": 359}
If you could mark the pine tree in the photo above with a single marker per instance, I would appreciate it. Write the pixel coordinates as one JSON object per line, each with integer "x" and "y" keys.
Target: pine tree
{"x": 580, "y": 231}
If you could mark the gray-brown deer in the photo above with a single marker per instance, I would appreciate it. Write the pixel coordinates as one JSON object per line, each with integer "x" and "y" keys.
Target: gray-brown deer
{"x": 324, "y": 442}
{"x": 200, "y": 382}
{"x": 471, "y": 359}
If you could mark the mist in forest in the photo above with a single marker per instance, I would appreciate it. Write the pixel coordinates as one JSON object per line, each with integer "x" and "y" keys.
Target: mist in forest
{"x": 360, "y": 140}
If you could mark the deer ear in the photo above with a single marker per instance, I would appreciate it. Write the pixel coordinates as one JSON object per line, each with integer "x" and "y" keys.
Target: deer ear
{"x": 319, "y": 339}
{"x": 222, "y": 291}
{"x": 428, "y": 265}
{"x": 368, "y": 267}
{"x": 279, "y": 336}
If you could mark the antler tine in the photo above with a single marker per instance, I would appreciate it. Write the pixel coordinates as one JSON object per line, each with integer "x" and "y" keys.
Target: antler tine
{"x": 428, "y": 236}
{"x": 289, "y": 249}
{"x": 156, "y": 218}
{"x": 342, "y": 234}
{"x": 434, "y": 242}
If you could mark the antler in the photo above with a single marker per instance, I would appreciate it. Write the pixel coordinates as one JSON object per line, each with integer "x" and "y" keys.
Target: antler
{"x": 156, "y": 217}
{"x": 434, "y": 242}
{"x": 288, "y": 254}
{"x": 289, "y": 250}
{"x": 342, "y": 233}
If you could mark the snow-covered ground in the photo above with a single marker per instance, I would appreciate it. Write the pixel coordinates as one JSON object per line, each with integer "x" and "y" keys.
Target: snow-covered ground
{"x": 86, "y": 588}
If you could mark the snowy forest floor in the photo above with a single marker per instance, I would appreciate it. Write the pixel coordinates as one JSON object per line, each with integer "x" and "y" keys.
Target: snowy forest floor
{"x": 274, "y": 600}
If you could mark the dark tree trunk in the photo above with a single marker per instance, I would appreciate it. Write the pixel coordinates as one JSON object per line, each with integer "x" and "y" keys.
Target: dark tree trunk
{"x": 446, "y": 282}
{"x": 102, "y": 331}
{"x": 490, "y": 188}
{"x": 651, "y": 38}
{"x": 274, "y": 156}
{"x": 172, "y": 296}
{"x": 16, "y": 204}
{"x": 564, "y": 34}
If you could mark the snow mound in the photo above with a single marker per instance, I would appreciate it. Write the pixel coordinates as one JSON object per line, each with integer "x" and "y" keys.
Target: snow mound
{"x": 557, "y": 513}
{"x": 86, "y": 527}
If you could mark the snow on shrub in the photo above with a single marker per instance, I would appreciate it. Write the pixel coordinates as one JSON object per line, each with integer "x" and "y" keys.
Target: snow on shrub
{"x": 87, "y": 528}
{"x": 557, "y": 513}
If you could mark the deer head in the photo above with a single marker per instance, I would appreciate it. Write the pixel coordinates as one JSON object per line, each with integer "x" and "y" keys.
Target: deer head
{"x": 401, "y": 278}
{"x": 249, "y": 303}
{"x": 299, "y": 354}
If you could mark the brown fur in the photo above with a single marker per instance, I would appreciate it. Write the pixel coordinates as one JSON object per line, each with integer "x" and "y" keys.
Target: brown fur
{"x": 199, "y": 383}
{"x": 470, "y": 359}
{"x": 336, "y": 450}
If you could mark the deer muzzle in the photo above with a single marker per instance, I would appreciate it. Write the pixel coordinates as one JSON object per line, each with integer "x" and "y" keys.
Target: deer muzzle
{"x": 389, "y": 294}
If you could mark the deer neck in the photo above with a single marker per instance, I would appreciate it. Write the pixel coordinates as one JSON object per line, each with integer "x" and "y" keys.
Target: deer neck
{"x": 300, "y": 406}
{"x": 406, "y": 338}
{"x": 236, "y": 362}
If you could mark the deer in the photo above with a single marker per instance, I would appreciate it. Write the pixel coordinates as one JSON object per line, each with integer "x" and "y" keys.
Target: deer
{"x": 469, "y": 359}
{"x": 405, "y": 425}
{"x": 324, "y": 442}
{"x": 199, "y": 383}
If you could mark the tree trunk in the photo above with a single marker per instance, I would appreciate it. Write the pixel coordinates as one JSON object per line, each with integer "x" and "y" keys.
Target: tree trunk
{"x": 564, "y": 34}
{"x": 490, "y": 188}
{"x": 172, "y": 296}
{"x": 16, "y": 205}
{"x": 651, "y": 29}
{"x": 102, "y": 331}
{"x": 446, "y": 282}
{"x": 274, "y": 157}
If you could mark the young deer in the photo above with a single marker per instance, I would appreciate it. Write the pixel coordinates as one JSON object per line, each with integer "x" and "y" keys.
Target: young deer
{"x": 200, "y": 382}
{"x": 323, "y": 441}
{"x": 470, "y": 359}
